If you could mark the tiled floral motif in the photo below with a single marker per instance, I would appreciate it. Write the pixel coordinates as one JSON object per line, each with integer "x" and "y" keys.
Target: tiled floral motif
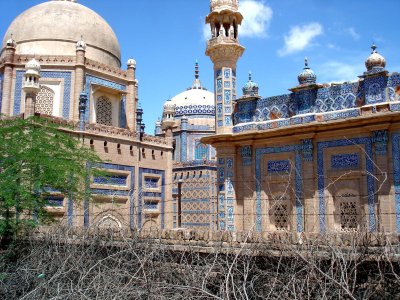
{"x": 375, "y": 89}
{"x": 321, "y": 146}
{"x": 345, "y": 161}
{"x": 380, "y": 139}
{"x": 246, "y": 154}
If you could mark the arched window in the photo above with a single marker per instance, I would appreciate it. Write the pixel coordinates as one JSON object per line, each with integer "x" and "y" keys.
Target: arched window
{"x": 44, "y": 101}
{"x": 104, "y": 111}
{"x": 201, "y": 151}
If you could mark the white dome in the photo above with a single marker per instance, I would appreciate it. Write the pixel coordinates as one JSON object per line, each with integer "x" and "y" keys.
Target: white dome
{"x": 54, "y": 27}
{"x": 193, "y": 102}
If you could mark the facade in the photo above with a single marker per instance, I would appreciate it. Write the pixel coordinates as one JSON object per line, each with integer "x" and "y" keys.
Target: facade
{"x": 322, "y": 158}
{"x": 190, "y": 116}
{"x": 67, "y": 67}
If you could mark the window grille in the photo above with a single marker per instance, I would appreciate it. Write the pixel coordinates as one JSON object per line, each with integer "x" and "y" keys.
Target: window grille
{"x": 280, "y": 213}
{"x": 45, "y": 101}
{"x": 104, "y": 111}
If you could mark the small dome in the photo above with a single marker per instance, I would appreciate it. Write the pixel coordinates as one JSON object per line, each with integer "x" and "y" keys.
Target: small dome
{"x": 11, "y": 43}
{"x": 54, "y": 27}
{"x": 375, "y": 60}
{"x": 81, "y": 45}
{"x": 33, "y": 67}
{"x": 307, "y": 76}
{"x": 250, "y": 88}
{"x": 131, "y": 63}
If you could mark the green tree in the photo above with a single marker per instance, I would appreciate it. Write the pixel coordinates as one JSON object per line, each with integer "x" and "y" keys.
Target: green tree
{"x": 36, "y": 157}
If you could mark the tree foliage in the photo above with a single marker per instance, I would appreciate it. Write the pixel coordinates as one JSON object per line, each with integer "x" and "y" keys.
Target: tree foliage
{"x": 36, "y": 159}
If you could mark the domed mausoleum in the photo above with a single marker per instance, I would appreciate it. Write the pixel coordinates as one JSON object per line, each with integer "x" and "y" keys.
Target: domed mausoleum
{"x": 54, "y": 27}
{"x": 61, "y": 61}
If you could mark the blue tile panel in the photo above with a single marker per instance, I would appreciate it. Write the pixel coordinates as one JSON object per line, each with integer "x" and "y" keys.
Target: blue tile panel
{"x": 109, "y": 192}
{"x": 143, "y": 193}
{"x": 187, "y": 110}
{"x": 67, "y": 101}
{"x": 396, "y": 175}
{"x": 151, "y": 182}
{"x": 54, "y": 201}
{"x": 260, "y": 152}
{"x": 111, "y": 180}
{"x": 367, "y": 142}
{"x": 330, "y": 103}
{"x": 90, "y": 79}
{"x": 345, "y": 161}
{"x": 277, "y": 166}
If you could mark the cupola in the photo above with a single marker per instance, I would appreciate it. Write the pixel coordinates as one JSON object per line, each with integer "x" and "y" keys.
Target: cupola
{"x": 250, "y": 88}
{"x": 307, "y": 76}
{"x": 375, "y": 61}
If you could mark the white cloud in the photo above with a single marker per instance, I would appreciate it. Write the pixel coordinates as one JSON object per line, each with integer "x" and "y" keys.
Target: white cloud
{"x": 256, "y": 18}
{"x": 353, "y": 33}
{"x": 334, "y": 71}
{"x": 300, "y": 37}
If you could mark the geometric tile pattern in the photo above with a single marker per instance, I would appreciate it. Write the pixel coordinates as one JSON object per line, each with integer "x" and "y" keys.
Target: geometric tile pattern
{"x": 353, "y": 159}
{"x": 332, "y": 102}
{"x": 225, "y": 80}
{"x": 44, "y": 101}
{"x": 298, "y": 183}
{"x": 45, "y": 74}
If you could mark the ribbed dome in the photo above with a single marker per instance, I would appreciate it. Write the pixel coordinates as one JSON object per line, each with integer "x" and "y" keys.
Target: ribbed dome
{"x": 375, "y": 60}
{"x": 54, "y": 27}
{"x": 250, "y": 88}
{"x": 307, "y": 76}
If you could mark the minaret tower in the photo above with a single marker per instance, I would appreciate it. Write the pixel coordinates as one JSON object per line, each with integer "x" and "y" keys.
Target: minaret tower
{"x": 224, "y": 50}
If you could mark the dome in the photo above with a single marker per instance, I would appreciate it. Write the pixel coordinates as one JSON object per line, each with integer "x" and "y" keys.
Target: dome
{"x": 33, "y": 67}
{"x": 307, "y": 76}
{"x": 54, "y": 27}
{"x": 250, "y": 88}
{"x": 196, "y": 100}
{"x": 375, "y": 60}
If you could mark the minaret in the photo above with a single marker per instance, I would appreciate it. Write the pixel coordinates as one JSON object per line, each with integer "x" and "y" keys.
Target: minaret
{"x": 224, "y": 50}
{"x": 31, "y": 86}
{"x": 80, "y": 71}
{"x": 11, "y": 47}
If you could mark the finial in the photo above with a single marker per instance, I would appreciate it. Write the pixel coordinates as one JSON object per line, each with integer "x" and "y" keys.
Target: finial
{"x": 374, "y": 47}
{"x": 306, "y": 62}
{"x": 196, "y": 70}
{"x": 250, "y": 76}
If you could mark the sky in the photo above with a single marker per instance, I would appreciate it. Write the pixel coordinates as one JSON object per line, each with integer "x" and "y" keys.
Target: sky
{"x": 166, "y": 37}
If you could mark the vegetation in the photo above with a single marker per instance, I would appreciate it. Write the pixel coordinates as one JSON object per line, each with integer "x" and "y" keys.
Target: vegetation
{"x": 37, "y": 159}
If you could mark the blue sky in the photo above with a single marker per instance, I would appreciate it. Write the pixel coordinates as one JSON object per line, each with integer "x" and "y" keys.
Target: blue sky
{"x": 165, "y": 37}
